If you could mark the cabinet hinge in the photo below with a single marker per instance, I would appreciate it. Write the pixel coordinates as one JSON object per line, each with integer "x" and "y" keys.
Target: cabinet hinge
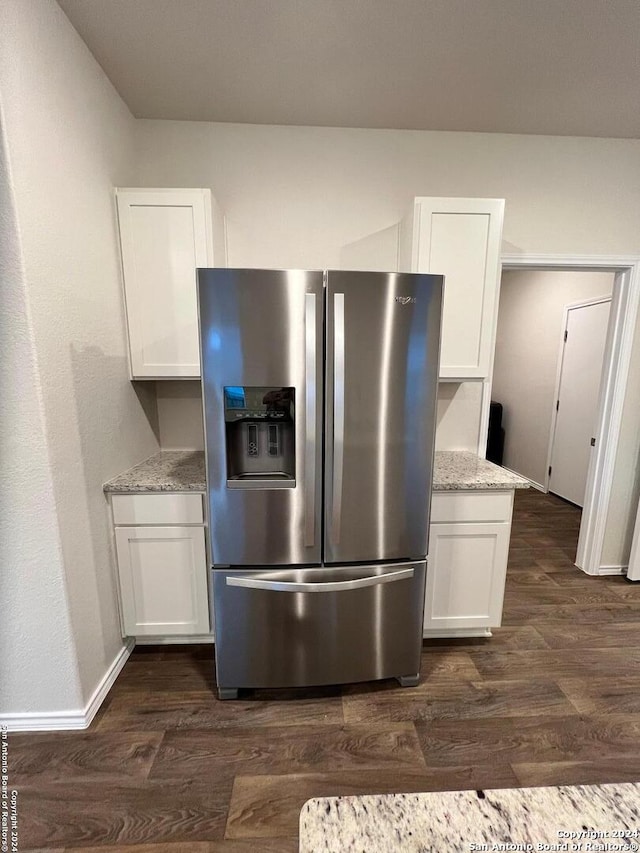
{"x": 549, "y": 470}
{"x": 593, "y": 442}
{"x": 566, "y": 335}
{"x": 557, "y": 405}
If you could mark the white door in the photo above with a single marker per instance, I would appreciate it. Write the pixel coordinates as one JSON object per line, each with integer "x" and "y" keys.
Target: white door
{"x": 582, "y": 357}
{"x": 163, "y": 580}
{"x": 466, "y": 572}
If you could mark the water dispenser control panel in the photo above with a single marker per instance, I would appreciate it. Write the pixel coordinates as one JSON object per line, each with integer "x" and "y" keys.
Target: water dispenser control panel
{"x": 248, "y": 403}
{"x": 260, "y": 436}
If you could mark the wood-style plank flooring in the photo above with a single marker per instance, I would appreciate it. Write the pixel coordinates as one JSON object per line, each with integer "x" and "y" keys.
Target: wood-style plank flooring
{"x": 553, "y": 697}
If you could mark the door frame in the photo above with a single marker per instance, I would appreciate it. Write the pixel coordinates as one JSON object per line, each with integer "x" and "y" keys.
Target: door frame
{"x": 625, "y": 300}
{"x": 633, "y": 573}
{"x": 560, "y": 363}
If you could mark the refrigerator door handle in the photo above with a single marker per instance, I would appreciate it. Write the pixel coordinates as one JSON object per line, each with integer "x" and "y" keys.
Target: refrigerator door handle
{"x": 310, "y": 420}
{"x": 261, "y": 582}
{"x": 338, "y": 415}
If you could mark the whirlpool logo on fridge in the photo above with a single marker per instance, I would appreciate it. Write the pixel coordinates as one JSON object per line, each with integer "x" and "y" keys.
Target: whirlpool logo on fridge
{"x": 406, "y": 300}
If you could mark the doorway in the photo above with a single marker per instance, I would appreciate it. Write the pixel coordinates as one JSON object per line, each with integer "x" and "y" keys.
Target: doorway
{"x": 531, "y": 355}
{"x": 617, "y": 360}
{"x": 548, "y": 364}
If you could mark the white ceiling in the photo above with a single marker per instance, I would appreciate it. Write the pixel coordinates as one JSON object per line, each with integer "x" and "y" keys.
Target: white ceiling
{"x": 565, "y": 67}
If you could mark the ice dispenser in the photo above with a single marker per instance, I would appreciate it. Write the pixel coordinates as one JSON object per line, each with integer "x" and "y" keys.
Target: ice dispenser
{"x": 260, "y": 437}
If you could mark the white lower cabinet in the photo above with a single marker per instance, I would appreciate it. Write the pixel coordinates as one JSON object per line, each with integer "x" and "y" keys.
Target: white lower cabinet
{"x": 467, "y": 565}
{"x": 163, "y": 580}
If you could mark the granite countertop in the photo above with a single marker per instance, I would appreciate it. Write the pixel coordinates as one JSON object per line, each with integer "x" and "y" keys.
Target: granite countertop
{"x": 183, "y": 471}
{"x": 458, "y": 469}
{"x": 580, "y": 817}
{"x": 166, "y": 471}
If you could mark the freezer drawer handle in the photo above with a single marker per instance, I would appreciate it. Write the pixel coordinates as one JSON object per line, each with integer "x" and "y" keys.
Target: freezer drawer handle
{"x": 338, "y": 415}
{"x": 310, "y": 420}
{"x": 260, "y": 582}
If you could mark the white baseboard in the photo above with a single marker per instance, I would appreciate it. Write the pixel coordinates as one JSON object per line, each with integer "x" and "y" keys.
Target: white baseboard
{"x": 533, "y": 483}
{"x": 452, "y": 633}
{"x": 34, "y": 721}
{"x": 603, "y": 571}
{"x": 179, "y": 639}
{"x": 107, "y": 682}
{"x": 612, "y": 570}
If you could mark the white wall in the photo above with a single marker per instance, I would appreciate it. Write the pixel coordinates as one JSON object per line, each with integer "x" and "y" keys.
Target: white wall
{"x": 297, "y": 196}
{"x": 458, "y": 416}
{"x": 180, "y": 415}
{"x": 530, "y": 319}
{"x": 294, "y": 196}
{"x": 35, "y": 628}
{"x": 69, "y": 139}
{"x": 181, "y": 424}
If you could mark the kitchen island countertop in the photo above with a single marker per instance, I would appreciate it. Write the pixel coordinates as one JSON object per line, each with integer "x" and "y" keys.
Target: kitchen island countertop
{"x": 576, "y": 817}
{"x": 183, "y": 471}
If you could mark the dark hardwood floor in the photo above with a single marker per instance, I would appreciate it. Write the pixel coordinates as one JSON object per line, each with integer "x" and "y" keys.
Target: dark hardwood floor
{"x": 553, "y": 697}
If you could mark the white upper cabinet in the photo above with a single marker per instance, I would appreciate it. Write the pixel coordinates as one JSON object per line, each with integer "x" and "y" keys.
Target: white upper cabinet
{"x": 165, "y": 234}
{"x": 459, "y": 238}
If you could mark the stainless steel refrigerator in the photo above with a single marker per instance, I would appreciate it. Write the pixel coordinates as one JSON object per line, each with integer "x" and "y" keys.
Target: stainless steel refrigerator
{"x": 319, "y": 394}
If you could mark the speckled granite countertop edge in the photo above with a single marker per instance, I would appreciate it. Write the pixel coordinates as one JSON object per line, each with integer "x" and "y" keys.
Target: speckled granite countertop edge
{"x": 462, "y": 470}
{"x": 457, "y": 821}
{"x": 164, "y": 471}
{"x": 183, "y": 471}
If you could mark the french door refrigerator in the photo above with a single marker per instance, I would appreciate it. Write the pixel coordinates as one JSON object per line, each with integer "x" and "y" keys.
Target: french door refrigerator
{"x": 319, "y": 395}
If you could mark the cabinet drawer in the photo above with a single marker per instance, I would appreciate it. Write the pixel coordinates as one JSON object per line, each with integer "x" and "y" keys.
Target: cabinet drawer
{"x": 158, "y": 509}
{"x": 456, "y": 506}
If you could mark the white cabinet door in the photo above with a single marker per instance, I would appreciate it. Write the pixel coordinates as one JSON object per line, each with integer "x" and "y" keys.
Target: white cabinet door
{"x": 466, "y": 573}
{"x": 459, "y": 238}
{"x": 165, "y": 234}
{"x": 163, "y": 580}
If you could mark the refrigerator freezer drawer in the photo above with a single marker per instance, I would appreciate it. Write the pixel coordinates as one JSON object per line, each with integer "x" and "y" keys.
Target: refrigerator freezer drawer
{"x": 303, "y": 627}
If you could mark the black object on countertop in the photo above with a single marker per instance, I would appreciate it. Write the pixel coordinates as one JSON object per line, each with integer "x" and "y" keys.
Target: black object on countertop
{"x": 495, "y": 437}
